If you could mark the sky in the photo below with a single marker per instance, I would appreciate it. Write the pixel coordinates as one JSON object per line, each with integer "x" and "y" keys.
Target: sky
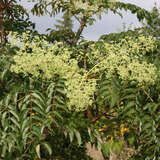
{"x": 108, "y": 24}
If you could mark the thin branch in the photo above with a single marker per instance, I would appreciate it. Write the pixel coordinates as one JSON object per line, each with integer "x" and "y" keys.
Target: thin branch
{"x": 100, "y": 116}
{"x": 77, "y": 18}
{"x": 147, "y": 95}
{"x": 85, "y": 62}
{"x": 79, "y": 32}
{"x": 89, "y": 113}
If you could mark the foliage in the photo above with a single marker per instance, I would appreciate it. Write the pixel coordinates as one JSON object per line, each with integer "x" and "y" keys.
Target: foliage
{"x": 117, "y": 37}
{"x": 64, "y": 30}
{"x": 17, "y": 19}
{"x": 104, "y": 92}
{"x": 80, "y": 87}
{"x": 86, "y": 11}
{"x": 126, "y": 72}
{"x": 53, "y": 61}
{"x": 66, "y": 23}
{"x": 32, "y": 114}
{"x": 152, "y": 27}
{"x": 13, "y": 17}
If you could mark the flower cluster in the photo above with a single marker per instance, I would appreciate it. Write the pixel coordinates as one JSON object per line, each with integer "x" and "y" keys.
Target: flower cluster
{"x": 126, "y": 59}
{"x": 38, "y": 59}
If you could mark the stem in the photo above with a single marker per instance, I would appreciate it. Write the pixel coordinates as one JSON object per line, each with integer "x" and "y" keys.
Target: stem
{"x": 3, "y": 7}
{"x": 85, "y": 62}
{"x": 94, "y": 120}
{"x": 147, "y": 95}
{"x": 2, "y": 34}
{"x": 79, "y": 32}
{"x": 89, "y": 113}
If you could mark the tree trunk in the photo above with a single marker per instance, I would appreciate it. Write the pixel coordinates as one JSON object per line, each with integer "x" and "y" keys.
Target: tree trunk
{"x": 2, "y": 33}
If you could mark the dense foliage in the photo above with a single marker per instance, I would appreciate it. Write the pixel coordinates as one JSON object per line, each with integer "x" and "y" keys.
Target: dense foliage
{"x": 85, "y": 12}
{"x": 125, "y": 70}
{"x": 13, "y": 17}
{"x": 56, "y": 96}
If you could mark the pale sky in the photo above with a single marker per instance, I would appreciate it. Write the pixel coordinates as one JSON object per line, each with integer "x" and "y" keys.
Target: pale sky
{"x": 108, "y": 24}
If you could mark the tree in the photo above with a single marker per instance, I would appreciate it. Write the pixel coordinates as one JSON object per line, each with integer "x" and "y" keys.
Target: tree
{"x": 103, "y": 92}
{"x": 13, "y": 17}
{"x": 117, "y": 37}
{"x": 64, "y": 30}
{"x": 153, "y": 27}
{"x": 84, "y": 11}
{"x": 118, "y": 88}
{"x": 66, "y": 23}
{"x": 3, "y": 7}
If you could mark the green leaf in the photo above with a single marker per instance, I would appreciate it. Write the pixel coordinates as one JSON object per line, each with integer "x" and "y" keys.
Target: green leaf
{"x": 50, "y": 89}
{"x": 39, "y": 96}
{"x": 48, "y": 147}
{"x": 61, "y": 90}
{"x": 77, "y": 134}
{"x": 15, "y": 114}
{"x": 7, "y": 100}
{"x": 131, "y": 140}
{"x": 38, "y": 151}
{"x": 37, "y": 131}
{"x": 62, "y": 106}
{"x": 3, "y": 121}
{"x": 15, "y": 122}
{"x": 130, "y": 104}
{"x": 118, "y": 146}
{"x": 71, "y": 135}
{"x": 38, "y": 103}
{"x": 24, "y": 113}
{"x": 59, "y": 99}
{"x": 57, "y": 114}
{"x": 39, "y": 110}
{"x": 65, "y": 134}
{"x": 24, "y": 124}
{"x": 114, "y": 100}
{"x": 25, "y": 132}
{"x": 146, "y": 126}
{"x": 27, "y": 98}
{"x": 15, "y": 97}
{"x": 48, "y": 108}
{"x": 3, "y": 74}
{"x": 4, "y": 150}
{"x": 106, "y": 148}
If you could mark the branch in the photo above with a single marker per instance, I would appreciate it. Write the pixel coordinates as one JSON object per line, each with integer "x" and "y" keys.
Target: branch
{"x": 147, "y": 95}
{"x": 77, "y": 18}
{"x": 79, "y": 32}
{"x": 100, "y": 116}
{"x": 2, "y": 33}
{"x": 4, "y": 6}
{"x": 89, "y": 113}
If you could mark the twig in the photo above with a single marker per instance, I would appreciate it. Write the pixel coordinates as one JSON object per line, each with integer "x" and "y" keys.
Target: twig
{"x": 147, "y": 95}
